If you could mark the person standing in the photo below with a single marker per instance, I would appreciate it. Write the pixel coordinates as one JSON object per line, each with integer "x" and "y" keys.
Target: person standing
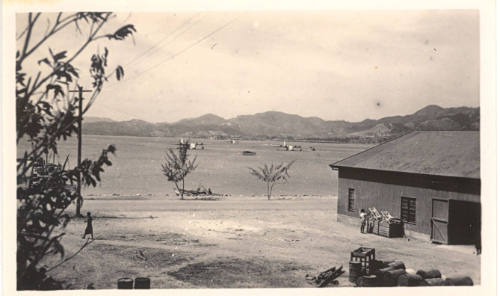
{"x": 89, "y": 229}
{"x": 362, "y": 216}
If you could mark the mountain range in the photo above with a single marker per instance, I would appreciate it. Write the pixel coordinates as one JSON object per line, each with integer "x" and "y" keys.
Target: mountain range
{"x": 273, "y": 124}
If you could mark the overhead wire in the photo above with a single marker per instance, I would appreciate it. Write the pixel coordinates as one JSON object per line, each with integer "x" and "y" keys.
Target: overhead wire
{"x": 174, "y": 55}
{"x": 155, "y": 47}
{"x": 188, "y": 22}
{"x": 170, "y": 57}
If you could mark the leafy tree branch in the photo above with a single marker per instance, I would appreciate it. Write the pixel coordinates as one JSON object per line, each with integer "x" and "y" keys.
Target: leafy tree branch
{"x": 46, "y": 114}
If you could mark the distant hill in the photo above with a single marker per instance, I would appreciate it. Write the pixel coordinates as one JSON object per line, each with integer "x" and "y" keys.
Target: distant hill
{"x": 97, "y": 119}
{"x": 207, "y": 119}
{"x": 281, "y": 125}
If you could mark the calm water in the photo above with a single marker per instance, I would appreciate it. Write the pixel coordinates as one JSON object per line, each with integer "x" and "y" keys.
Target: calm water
{"x": 136, "y": 166}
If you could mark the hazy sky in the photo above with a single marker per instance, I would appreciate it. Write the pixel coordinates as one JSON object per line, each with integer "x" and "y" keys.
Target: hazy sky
{"x": 347, "y": 65}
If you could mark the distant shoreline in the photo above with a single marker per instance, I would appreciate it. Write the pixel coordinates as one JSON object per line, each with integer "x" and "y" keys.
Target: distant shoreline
{"x": 108, "y": 197}
{"x": 242, "y": 139}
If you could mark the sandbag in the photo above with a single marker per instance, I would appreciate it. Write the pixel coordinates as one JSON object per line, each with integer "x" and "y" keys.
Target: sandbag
{"x": 376, "y": 265}
{"x": 397, "y": 265}
{"x": 411, "y": 271}
{"x": 367, "y": 281}
{"x": 391, "y": 276}
{"x": 409, "y": 280}
{"x": 433, "y": 282}
{"x": 380, "y": 273}
{"x": 386, "y": 263}
{"x": 429, "y": 274}
{"x": 458, "y": 281}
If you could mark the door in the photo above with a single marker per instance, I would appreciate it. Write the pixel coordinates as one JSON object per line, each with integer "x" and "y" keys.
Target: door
{"x": 465, "y": 222}
{"x": 439, "y": 221}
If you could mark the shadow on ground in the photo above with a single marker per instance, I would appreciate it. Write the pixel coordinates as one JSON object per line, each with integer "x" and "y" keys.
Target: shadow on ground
{"x": 233, "y": 272}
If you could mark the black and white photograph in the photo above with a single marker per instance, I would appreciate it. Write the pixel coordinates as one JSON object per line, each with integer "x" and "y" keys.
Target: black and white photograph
{"x": 249, "y": 149}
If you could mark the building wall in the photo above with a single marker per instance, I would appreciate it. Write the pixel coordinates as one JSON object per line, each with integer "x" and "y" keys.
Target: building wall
{"x": 383, "y": 190}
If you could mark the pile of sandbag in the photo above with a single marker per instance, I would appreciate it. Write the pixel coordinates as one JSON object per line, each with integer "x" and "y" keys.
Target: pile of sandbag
{"x": 388, "y": 272}
{"x": 433, "y": 277}
{"x": 395, "y": 273}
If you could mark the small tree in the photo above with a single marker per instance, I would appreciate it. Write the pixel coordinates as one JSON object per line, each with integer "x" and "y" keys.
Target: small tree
{"x": 177, "y": 166}
{"x": 272, "y": 175}
{"x": 46, "y": 114}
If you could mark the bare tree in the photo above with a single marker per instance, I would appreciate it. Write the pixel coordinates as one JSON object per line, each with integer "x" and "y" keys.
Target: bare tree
{"x": 272, "y": 174}
{"x": 177, "y": 166}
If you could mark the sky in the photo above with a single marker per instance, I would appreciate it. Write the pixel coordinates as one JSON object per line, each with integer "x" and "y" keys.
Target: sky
{"x": 336, "y": 65}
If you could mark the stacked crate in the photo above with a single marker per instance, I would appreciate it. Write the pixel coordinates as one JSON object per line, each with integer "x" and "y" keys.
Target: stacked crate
{"x": 393, "y": 228}
{"x": 385, "y": 225}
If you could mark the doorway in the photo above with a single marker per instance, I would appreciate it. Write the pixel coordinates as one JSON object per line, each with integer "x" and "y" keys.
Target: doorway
{"x": 465, "y": 222}
{"x": 439, "y": 221}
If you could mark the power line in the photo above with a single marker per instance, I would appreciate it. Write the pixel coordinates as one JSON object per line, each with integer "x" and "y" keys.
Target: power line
{"x": 171, "y": 56}
{"x": 154, "y": 47}
{"x": 181, "y": 51}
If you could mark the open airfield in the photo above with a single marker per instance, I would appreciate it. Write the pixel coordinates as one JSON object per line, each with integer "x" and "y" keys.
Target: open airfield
{"x": 241, "y": 240}
{"x": 233, "y": 243}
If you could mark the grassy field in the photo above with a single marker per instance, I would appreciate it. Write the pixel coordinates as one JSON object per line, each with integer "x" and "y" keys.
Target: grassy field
{"x": 221, "y": 166}
{"x": 233, "y": 243}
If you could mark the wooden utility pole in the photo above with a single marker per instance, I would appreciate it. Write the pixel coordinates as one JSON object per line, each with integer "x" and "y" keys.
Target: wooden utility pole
{"x": 79, "y": 200}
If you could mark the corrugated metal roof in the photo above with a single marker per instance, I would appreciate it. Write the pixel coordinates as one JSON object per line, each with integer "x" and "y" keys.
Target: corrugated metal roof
{"x": 445, "y": 153}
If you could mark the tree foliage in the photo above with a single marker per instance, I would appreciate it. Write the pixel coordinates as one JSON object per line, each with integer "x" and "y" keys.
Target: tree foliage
{"x": 177, "y": 166}
{"x": 46, "y": 113}
{"x": 272, "y": 174}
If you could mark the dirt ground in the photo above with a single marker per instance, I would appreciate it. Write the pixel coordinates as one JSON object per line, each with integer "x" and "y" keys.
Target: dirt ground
{"x": 232, "y": 243}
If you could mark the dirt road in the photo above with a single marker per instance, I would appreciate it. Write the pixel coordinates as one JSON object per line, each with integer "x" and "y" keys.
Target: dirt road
{"x": 237, "y": 242}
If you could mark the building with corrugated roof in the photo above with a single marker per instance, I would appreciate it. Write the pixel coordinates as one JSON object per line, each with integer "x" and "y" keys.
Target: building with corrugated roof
{"x": 429, "y": 179}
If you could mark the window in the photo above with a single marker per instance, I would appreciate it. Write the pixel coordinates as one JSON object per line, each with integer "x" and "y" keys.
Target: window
{"x": 350, "y": 201}
{"x": 408, "y": 210}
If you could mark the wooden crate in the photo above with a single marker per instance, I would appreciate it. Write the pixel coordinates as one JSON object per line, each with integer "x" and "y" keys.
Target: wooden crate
{"x": 365, "y": 257}
{"x": 383, "y": 228}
